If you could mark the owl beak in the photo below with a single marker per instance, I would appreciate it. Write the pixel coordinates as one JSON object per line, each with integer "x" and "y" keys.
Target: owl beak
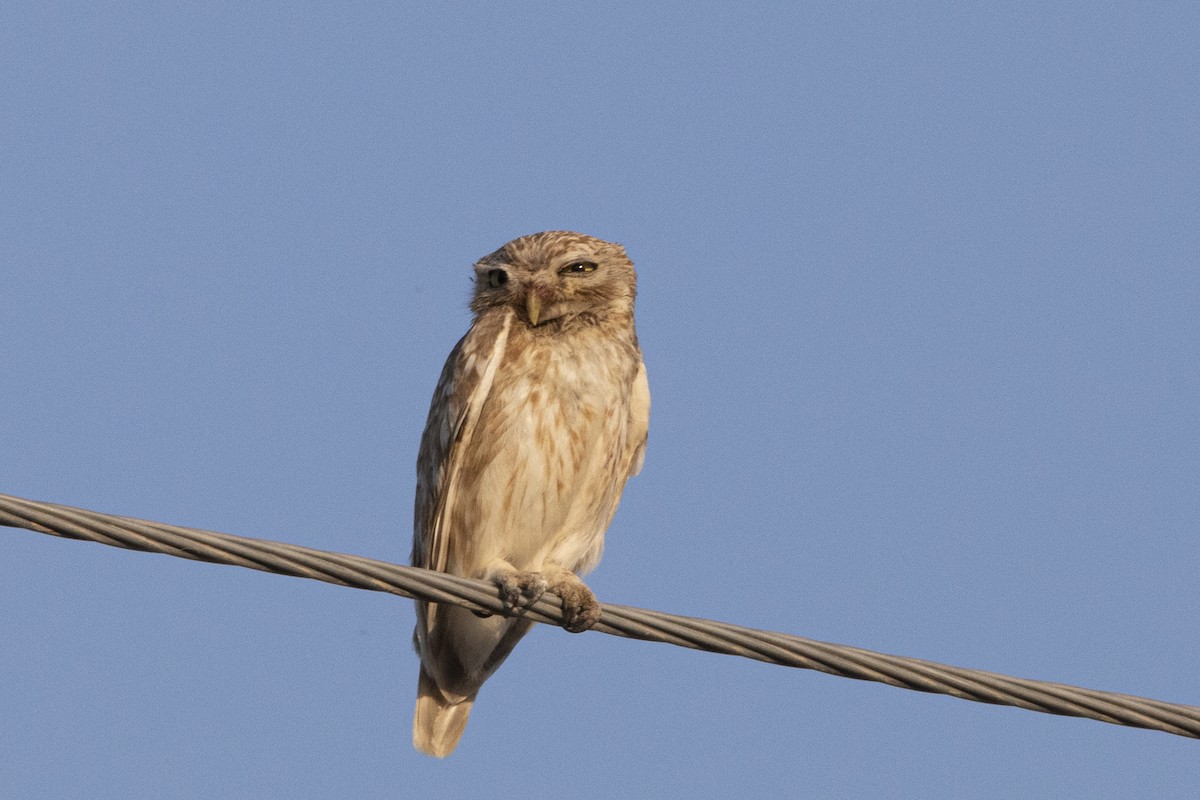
{"x": 533, "y": 305}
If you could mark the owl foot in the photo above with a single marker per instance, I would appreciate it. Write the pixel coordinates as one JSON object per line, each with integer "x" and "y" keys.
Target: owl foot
{"x": 520, "y": 590}
{"x": 581, "y": 609}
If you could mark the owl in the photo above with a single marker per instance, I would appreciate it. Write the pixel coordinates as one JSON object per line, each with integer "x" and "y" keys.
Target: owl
{"x": 538, "y": 419}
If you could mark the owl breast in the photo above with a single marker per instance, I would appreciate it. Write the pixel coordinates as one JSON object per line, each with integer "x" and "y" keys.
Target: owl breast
{"x": 549, "y": 467}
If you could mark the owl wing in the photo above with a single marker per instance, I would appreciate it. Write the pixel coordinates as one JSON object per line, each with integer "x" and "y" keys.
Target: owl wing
{"x": 639, "y": 419}
{"x": 461, "y": 392}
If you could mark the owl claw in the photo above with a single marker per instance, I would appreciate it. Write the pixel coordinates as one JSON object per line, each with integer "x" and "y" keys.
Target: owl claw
{"x": 520, "y": 590}
{"x": 577, "y": 619}
{"x": 581, "y": 609}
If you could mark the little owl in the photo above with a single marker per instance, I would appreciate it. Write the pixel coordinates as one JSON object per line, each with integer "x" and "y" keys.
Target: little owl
{"x": 538, "y": 419}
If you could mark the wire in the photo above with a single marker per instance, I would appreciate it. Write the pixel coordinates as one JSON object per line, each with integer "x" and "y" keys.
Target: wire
{"x": 634, "y": 623}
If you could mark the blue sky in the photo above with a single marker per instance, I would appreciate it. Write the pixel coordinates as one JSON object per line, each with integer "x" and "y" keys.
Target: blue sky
{"x": 921, "y": 311}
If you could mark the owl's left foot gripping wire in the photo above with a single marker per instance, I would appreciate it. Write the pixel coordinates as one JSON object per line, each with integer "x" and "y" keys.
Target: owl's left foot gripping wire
{"x": 581, "y": 609}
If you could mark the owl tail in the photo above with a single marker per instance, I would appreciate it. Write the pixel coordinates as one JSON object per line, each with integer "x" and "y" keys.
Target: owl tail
{"x": 437, "y": 723}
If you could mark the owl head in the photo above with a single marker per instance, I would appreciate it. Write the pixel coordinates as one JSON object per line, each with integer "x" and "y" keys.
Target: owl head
{"x": 555, "y": 277}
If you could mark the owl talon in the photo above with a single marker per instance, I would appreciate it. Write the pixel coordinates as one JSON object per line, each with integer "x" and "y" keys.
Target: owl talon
{"x": 520, "y": 590}
{"x": 581, "y": 609}
{"x": 580, "y": 619}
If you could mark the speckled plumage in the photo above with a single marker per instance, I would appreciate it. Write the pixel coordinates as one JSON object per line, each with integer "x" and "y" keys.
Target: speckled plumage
{"x": 538, "y": 419}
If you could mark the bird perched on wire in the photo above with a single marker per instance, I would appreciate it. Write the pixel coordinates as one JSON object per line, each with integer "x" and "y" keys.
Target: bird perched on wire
{"x": 538, "y": 419}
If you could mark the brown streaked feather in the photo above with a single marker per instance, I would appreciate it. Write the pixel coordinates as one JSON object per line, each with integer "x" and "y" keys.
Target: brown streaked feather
{"x": 639, "y": 420}
{"x": 459, "y": 398}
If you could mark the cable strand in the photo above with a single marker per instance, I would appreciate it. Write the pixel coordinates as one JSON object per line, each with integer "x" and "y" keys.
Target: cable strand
{"x": 634, "y": 623}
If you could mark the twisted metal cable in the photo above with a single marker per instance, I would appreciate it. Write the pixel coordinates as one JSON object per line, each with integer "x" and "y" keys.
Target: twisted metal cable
{"x": 634, "y": 623}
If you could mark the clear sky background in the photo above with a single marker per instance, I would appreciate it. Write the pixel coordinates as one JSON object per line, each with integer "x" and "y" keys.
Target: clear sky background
{"x": 920, "y": 304}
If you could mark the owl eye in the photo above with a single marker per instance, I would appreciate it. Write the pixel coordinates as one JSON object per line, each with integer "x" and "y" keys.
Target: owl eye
{"x": 578, "y": 268}
{"x": 497, "y": 278}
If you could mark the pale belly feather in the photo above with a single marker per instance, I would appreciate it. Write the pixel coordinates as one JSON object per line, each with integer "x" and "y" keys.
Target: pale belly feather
{"x": 550, "y": 466}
